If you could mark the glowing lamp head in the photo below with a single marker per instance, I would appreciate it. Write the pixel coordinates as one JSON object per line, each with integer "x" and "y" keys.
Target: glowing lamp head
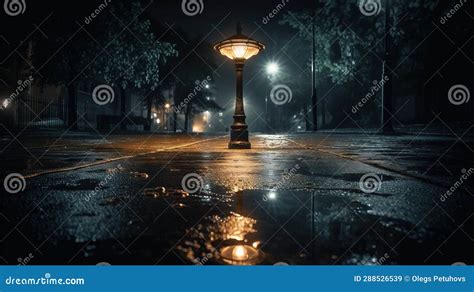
{"x": 239, "y": 47}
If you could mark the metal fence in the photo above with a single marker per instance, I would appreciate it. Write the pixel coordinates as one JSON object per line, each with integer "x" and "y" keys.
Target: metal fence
{"x": 40, "y": 111}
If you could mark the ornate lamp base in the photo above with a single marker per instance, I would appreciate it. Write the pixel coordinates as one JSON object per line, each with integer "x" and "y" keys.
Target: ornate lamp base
{"x": 239, "y": 137}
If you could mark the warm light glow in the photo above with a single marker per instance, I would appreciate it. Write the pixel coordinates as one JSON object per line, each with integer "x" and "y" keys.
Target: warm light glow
{"x": 272, "y": 68}
{"x": 158, "y": 121}
{"x": 240, "y": 50}
{"x": 197, "y": 129}
{"x": 240, "y": 253}
{"x": 167, "y": 105}
{"x": 155, "y": 115}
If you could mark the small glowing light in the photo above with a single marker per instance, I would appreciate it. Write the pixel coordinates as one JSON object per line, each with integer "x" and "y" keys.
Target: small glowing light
{"x": 155, "y": 115}
{"x": 221, "y": 114}
{"x": 207, "y": 86}
{"x": 206, "y": 112}
{"x": 158, "y": 121}
{"x": 167, "y": 105}
{"x": 299, "y": 127}
{"x": 272, "y": 195}
{"x": 210, "y": 126}
{"x": 5, "y": 103}
{"x": 240, "y": 253}
{"x": 208, "y": 98}
{"x": 272, "y": 68}
{"x": 204, "y": 118}
{"x": 256, "y": 244}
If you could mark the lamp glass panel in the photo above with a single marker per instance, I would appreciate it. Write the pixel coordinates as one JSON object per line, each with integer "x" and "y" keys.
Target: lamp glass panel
{"x": 240, "y": 50}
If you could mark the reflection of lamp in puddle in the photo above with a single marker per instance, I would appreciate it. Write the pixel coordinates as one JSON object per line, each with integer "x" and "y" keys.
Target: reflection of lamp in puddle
{"x": 272, "y": 195}
{"x": 235, "y": 250}
{"x": 241, "y": 254}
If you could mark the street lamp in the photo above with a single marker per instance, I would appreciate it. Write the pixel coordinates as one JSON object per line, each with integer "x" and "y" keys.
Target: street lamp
{"x": 239, "y": 48}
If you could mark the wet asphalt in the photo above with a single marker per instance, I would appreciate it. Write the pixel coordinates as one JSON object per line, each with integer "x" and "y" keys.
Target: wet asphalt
{"x": 177, "y": 199}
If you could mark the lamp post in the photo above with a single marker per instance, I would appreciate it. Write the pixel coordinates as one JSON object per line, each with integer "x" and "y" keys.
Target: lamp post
{"x": 272, "y": 70}
{"x": 239, "y": 48}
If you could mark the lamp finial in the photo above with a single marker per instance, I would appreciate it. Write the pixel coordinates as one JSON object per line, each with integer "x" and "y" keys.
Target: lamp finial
{"x": 239, "y": 28}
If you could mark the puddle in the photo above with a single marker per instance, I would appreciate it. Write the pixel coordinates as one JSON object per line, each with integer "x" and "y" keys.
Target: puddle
{"x": 140, "y": 174}
{"x": 223, "y": 240}
{"x": 184, "y": 199}
{"x": 80, "y": 185}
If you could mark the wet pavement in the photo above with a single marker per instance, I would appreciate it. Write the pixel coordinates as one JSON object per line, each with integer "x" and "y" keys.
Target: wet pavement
{"x": 292, "y": 199}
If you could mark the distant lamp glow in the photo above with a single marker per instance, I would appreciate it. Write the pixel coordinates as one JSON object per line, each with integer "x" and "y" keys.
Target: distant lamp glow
{"x": 221, "y": 114}
{"x": 207, "y": 86}
{"x": 155, "y": 115}
{"x": 272, "y": 68}
{"x": 158, "y": 121}
{"x": 167, "y": 105}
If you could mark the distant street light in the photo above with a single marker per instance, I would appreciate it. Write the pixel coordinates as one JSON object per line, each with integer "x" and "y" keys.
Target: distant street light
{"x": 272, "y": 68}
{"x": 239, "y": 48}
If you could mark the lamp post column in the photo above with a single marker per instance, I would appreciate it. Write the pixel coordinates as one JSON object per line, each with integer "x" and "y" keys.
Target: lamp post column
{"x": 239, "y": 135}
